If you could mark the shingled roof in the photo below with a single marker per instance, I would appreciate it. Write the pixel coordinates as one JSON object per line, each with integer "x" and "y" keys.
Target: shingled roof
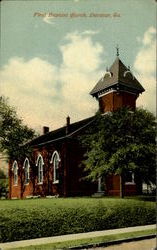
{"x": 60, "y": 134}
{"x": 117, "y": 74}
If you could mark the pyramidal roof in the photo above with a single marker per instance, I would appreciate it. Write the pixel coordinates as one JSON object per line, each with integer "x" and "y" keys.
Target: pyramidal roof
{"x": 118, "y": 74}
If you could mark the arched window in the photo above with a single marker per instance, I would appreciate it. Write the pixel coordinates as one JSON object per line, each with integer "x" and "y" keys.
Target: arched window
{"x": 55, "y": 160}
{"x": 129, "y": 177}
{"x": 15, "y": 172}
{"x": 40, "y": 164}
{"x": 26, "y": 167}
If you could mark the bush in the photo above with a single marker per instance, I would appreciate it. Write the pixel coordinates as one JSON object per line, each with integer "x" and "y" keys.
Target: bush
{"x": 3, "y": 188}
{"x": 3, "y": 184}
{"x": 66, "y": 216}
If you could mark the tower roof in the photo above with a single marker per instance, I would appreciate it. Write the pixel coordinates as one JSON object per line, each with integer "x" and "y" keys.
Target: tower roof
{"x": 118, "y": 74}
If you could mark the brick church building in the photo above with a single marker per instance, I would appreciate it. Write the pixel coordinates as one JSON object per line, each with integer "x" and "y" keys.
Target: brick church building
{"x": 54, "y": 167}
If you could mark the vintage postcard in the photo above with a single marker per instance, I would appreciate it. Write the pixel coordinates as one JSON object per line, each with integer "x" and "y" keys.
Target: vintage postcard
{"x": 66, "y": 67}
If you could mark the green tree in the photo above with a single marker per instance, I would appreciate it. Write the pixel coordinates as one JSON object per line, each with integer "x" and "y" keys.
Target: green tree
{"x": 3, "y": 184}
{"x": 2, "y": 174}
{"x": 119, "y": 142}
{"x": 13, "y": 134}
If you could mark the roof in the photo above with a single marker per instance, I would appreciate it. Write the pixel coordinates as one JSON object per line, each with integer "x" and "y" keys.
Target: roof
{"x": 118, "y": 74}
{"x": 60, "y": 134}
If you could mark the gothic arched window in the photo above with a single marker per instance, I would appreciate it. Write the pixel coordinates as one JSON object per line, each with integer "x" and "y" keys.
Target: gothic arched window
{"x": 40, "y": 164}
{"x": 55, "y": 160}
{"x": 15, "y": 172}
{"x": 26, "y": 167}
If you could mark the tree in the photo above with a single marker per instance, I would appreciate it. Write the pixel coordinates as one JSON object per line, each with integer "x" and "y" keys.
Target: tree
{"x": 3, "y": 184}
{"x": 13, "y": 134}
{"x": 119, "y": 142}
{"x": 2, "y": 174}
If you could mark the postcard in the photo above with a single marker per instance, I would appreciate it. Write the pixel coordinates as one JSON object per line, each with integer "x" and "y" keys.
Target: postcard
{"x": 62, "y": 61}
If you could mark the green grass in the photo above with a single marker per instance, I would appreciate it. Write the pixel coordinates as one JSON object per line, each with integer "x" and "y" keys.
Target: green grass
{"x": 64, "y": 202}
{"x": 95, "y": 240}
{"x": 59, "y": 202}
{"x": 28, "y": 219}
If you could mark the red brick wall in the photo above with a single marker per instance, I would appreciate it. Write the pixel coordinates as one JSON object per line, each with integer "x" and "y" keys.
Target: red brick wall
{"x": 106, "y": 103}
{"x": 70, "y": 182}
{"x": 48, "y": 187}
{"x": 115, "y": 100}
{"x": 15, "y": 189}
{"x": 130, "y": 189}
{"x": 113, "y": 186}
{"x": 129, "y": 100}
{"x": 76, "y": 185}
{"x": 20, "y": 190}
{"x": 34, "y": 188}
{"x": 27, "y": 189}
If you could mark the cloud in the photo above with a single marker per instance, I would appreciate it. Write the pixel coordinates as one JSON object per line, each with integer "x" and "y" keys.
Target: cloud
{"x": 81, "y": 53}
{"x": 149, "y": 36}
{"x": 79, "y": 73}
{"x": 29, "y": 85}
{"x": 144, "y": 66}
{"x": 90, "y": 32}
{"x": 45, "y": 94}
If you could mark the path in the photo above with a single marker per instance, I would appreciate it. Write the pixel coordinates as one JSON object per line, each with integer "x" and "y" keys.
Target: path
{"x": 135, "y": 245}
{"x": 62, "y": 238}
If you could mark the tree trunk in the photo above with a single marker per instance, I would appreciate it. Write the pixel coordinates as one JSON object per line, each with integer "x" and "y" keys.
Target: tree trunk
{"x": 138, "y": 182}
{"x": 121, "y": 186}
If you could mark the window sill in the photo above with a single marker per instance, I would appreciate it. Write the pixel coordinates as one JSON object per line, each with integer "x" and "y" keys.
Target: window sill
{"x": 39, "y": 183}
{"x": 26, "y": 184}
{"x": 56, "y": 182}
{"x": 15, "y": 185}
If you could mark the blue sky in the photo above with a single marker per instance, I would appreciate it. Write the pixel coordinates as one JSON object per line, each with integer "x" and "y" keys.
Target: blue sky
{"x": 50, "y": 64}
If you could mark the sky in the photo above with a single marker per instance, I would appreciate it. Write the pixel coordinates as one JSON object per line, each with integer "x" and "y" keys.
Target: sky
{"x": 54, "y": 52}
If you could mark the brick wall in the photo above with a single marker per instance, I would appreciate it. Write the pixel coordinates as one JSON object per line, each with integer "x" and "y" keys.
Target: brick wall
{"x": 19, "y": 190}
{"x": 113, "y": 186}
{"x": 115, "y": 100}
{"x": 70, "y": 174}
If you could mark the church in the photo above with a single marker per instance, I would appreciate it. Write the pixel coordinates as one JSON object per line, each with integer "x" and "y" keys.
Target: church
{"x": 54, "y": 167}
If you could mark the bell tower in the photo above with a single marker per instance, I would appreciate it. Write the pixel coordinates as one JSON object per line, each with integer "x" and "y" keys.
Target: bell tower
{"x": 117, "y": 88}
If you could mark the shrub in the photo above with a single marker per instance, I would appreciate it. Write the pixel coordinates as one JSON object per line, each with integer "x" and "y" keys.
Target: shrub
{"x": 3, "y": 184}
{"x": 57, "y": 217}
{"x": 3, "y": 188}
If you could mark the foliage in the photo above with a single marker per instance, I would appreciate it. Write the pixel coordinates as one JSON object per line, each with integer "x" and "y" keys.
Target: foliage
{"x": 3, "y": 184}
{"x": 3, "y": 188}
{"x": 26, "y": 219}
{"x": 119, "y": 142}
{"x": 13, "y": 133}
{"x": 2, "y": 174}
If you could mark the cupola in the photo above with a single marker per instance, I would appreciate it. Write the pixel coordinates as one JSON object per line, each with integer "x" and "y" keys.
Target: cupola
{"x": 117, "y": 88}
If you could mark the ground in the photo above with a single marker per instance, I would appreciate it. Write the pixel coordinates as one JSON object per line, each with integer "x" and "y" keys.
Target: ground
{"x": 135, "y": 245}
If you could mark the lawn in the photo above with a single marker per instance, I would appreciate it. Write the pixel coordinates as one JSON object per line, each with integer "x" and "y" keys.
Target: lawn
{"x": 69, "y": 202}
{"x": 35, "y": 218}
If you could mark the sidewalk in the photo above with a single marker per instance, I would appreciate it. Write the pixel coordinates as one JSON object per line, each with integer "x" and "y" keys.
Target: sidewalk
{"x": 67, "y": 237}
{"x": 147, "y": 244}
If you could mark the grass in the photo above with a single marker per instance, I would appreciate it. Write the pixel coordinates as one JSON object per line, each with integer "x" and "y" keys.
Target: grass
{"x": 61, "y": 202}
{"x": 94, "y": 241}
{"x": 36, "y": 218}
{"x": 64, "y": 202}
